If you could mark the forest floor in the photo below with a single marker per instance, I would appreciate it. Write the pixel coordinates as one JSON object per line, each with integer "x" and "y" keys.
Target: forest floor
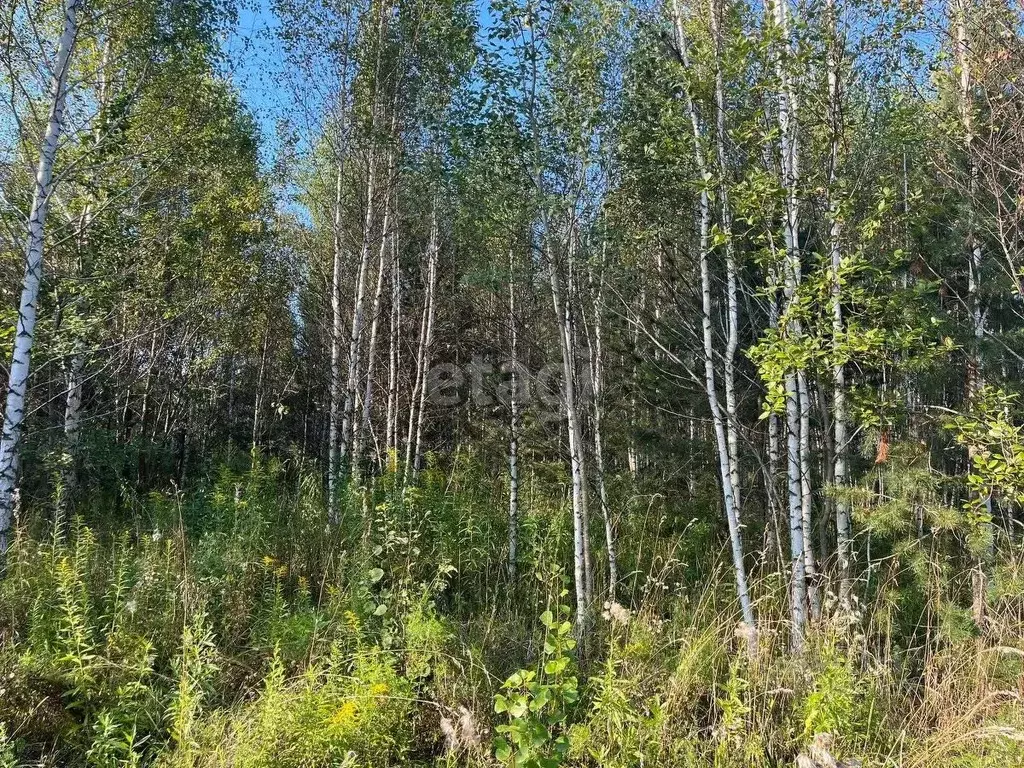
{"x": 234, "y": 628}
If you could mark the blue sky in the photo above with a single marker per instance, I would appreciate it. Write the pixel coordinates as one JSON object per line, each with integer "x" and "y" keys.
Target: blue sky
{"x": 256, "y": 65}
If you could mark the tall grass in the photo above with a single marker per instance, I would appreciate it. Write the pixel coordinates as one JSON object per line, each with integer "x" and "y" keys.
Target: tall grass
{"x": 236, "y": 628}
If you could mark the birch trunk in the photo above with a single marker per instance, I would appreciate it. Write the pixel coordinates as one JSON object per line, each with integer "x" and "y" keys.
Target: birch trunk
{"x": 570, "y": 302}
{"x": 975, "y": 376}
{"x": 14, "y": 410}
{"x": 771, "y": 485}
{"x": 725, "y": 465}
{"x": 807, "y": 497}
{"x": 75, "y": 385}
{"x": 513, "y": 437}
{"x": 432, "y": 304}
{"x": 731, "y": 277}
{"x": 337, "y": 330}
{"x": 365, "y": 426}
{"x": 597, "y": 374}
{"x": 798, "y": 576}
{"x": 394, "y": 353}
{"x": 789, "y": 151}
{"x": 417, "y": 404}
{"x": 577, "y": 465}
{"x": 839, "y": 415}
{"x": 257, "y": 409}
{"x": 72, "y": 432}
{"x": 347, "y": 437}
{"x": 358, "y": 321}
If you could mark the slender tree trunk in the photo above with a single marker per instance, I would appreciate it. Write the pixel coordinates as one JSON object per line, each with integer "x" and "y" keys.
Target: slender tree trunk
{"x": 72, "y": 432}
{"x": 347, "y": 436}
{"x": 732, "y": 279}
{"x": 75, "y": 385}
{"x": 417, "y": 404}
{"x": 424, "y": 381}
{"x": 231, "y": 395}
{"x": 839, "y": 415}
{"x": 577, "y": 467}
{"x": 597, "y": 374}
{"x": 718, "y": 417}
{"x": 513, "y": 437}
{"x": 76, "y": 368}
{"x": 394, "y": 352}
{"x": 337, "y": 330}
{"x": 257, "y": 408}
{"x": 17, "y": 386}
{"x": 789, "y": 151}
{"x": 358, "y": 321}
{"x": 772, "y": 486}
{"x": 632, "y": 451}
{"x": 365, "y": 425}
{"x": 822, "y": 400}
{"x": 798, "y": 584}
{"x": 975, "y": 376}
{"x": 418, "y": 375}
{"x": 571, "y": 301}
{"x": 147, "y": 387}
{"x": 807, "y": 498}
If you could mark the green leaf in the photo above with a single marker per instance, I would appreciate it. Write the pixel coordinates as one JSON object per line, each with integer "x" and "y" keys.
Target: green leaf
{"x": 502, "y": 751}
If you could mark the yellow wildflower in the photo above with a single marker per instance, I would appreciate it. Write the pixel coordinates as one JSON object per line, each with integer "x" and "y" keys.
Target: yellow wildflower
{"x": 379, "y": 689}
{"x": 345, "y": 715}
{"x": 352, "y": 620}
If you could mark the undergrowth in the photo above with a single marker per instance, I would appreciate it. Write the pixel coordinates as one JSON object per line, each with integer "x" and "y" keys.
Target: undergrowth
{"x": 236, "y": 627}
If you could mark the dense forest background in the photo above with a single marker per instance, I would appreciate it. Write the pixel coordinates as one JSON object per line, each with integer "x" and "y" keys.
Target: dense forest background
{"x": 591, "y": 383}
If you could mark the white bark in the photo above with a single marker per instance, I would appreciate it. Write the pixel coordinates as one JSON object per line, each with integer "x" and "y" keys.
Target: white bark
{"x": 72, "y": 431}
{"x": 975, "y": 376}
{"x": 789, "y": 151}
{"x": 513, "y": 437}
{"x": 394, "y": 353}
{"x": 581, "y": 556}
{"x": 337, "y": 331}
{"x": 798, "y": 578}
{"x": 807, "y": 498}
{"x": 772, "y": 486}
{"x": 597, "y": 375}
{"x": 839, "y": 415}
{"x": 718, "y": 417}
{"x": 365, "y": 425}
{"x": 358, "y": 320}
{"x": 571, "y": 300}
{"x": 417, "y": 404}
{"x": 337, "y": 318}
{"x": 257, "y": 409}
{"x": 732, "y": 279}
{"x": 348, "y": 437}
{"x": 632, "y": 451}
{"x": 14, "y": 411}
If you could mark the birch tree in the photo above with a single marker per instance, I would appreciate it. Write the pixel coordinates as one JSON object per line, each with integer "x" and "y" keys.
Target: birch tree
{"x": 513, "y": 424}
{"x": 719, "y": 415}
{"x": 15, "y": 406}
{"x": 796, "y": 463}
{"x": 841, "y": 438}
